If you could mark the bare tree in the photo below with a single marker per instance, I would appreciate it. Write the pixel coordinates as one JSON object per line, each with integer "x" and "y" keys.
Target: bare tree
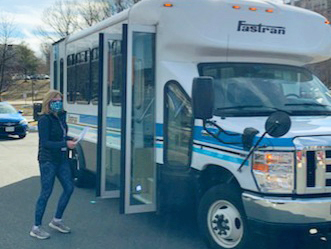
{"x": 61, "y": 20}
{"x": 7, "y": 29}
{"x": 94, "y": 11}
{"x": 120, "y": 5}
{"x": 46, "y": 51}
{"x": 67, "y": 16}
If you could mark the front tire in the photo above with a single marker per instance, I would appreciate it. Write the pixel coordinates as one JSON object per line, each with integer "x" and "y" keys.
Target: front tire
{"x": 222, "y": 219}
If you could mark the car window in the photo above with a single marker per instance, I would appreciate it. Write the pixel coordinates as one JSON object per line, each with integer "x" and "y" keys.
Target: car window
{"x": 7, "y": 109}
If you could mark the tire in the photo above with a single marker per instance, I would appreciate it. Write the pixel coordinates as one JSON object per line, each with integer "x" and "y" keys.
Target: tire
{"x": 79, "y": 168}
{"x": 221, "y": 217}
{"x": 22, "y": 136}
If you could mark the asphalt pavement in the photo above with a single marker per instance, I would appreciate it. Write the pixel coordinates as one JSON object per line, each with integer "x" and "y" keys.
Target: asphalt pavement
{"x": 95, "y": 223}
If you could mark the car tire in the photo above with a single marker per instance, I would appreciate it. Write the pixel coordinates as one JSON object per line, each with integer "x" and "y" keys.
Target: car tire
{"x": 221, "y": 217}
{"x": 22, "y": 136}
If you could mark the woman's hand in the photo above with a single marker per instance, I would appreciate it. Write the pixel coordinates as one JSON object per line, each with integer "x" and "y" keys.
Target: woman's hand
{"x": 71, "y": 144}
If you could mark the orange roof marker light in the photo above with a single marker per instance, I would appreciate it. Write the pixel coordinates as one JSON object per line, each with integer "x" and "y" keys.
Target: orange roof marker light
{"x": 327, "y": 21}
{"x": 253, "y": 9}
{"x": 168, "y": 5}
{"x": 269, "y": 10}
{"x": 237, "y": 7}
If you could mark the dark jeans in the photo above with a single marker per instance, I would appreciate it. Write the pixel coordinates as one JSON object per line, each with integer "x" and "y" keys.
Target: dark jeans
{"x": 48, "y": 171}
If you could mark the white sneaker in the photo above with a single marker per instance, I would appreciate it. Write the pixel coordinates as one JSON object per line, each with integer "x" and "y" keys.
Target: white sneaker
{"x": 39, "y": 233}
{"x": 59, "y": 225}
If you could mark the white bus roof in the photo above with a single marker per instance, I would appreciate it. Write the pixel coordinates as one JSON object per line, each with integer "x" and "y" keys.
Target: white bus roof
{"x": 230, "y": 30}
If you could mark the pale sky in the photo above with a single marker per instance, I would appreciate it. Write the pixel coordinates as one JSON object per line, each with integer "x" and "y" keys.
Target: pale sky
{"x": 27, "y": 16}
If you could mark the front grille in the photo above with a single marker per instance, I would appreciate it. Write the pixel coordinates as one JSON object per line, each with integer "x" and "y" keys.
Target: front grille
{"x": 314, "y": 171}
{"x": 4, "y": 125}
{"x": 311, "y": 170}
{"x": 7, "y": 124}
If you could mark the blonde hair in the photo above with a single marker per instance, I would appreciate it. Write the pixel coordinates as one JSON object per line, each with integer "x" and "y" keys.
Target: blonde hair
{"x": 47, "y": 98}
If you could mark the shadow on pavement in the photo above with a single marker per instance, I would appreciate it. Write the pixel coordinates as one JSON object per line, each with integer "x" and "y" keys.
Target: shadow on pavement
{"x": 9, "y": 138}
{"x": 95, "y": 223}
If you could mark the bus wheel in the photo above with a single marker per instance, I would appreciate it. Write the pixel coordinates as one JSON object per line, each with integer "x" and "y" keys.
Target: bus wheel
{"x": 79, "y": 173}
{"x": 222, "y": 219}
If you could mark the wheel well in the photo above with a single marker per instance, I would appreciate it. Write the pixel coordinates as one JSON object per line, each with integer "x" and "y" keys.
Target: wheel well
{"x": 214, "y": 175}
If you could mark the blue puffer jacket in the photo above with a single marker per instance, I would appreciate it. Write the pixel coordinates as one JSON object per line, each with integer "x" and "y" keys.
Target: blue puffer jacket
{"x": 53, "y": 138}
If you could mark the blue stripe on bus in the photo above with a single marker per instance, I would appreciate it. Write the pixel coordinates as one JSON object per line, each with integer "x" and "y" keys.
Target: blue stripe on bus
{"x": 94, "y": 131}
{"x": 93, "y": 120}
{"x": 198, "y": 135}
{"x": 220, "y": 156}
{"x": 214, "y": 154}
{"x": 115, "y": 123}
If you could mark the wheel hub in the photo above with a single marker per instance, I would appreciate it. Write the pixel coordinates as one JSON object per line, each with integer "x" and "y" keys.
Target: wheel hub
{"x": 221, "y": 222}
{"x": 225, "y": 224}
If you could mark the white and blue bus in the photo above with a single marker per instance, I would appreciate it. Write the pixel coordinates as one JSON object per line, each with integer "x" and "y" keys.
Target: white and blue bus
{"x": 177, "y": 96}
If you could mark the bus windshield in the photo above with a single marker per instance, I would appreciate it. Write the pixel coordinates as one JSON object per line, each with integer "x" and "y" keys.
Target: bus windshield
{"x": 250, "y": 89}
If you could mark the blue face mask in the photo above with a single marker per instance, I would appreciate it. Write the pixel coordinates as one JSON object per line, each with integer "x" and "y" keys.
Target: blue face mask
{"x": 56, "y": 106}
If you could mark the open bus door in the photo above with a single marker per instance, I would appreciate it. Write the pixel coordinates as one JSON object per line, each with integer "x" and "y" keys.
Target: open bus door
{"x": 109, "y": 116}
{"x": 126, "y": 134}
{"x": 138, "y": 192}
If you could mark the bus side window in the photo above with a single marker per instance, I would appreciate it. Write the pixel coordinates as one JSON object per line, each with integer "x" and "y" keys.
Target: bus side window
{"x": 94, "y": 75}
{"x": 83, "y": 78}
{"x": 55, "y": 75}
{"x": 117, "y": 76}
{"x": 61, "y": 75}
{"x": 70, "y": 78}
{"x": 178, "y": 126}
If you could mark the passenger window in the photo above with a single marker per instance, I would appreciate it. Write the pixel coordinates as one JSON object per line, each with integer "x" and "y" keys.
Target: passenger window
{"x": 116, "y": 62}
{"x": 83, "y": 77}
{"x": 94, "y": 75}
{"x": 61, "y": 76}
{"x": 71, "y": 78}
{"x": 55, "y": 75}
{"x": 178, "y": 129}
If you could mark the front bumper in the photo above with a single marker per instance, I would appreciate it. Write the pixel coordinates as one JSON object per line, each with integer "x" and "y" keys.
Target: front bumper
{"x": 287, "y": 210}
{"x": 17, "y": 130}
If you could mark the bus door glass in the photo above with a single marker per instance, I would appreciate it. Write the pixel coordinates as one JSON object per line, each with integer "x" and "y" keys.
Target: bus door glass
{"x": 139, "y": 154}
{"x": 109, "y": 136}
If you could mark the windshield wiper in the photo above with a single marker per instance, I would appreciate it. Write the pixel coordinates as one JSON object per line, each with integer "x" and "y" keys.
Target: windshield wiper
{"x": 307, "y": 104}
{"x": 249, "y": 106}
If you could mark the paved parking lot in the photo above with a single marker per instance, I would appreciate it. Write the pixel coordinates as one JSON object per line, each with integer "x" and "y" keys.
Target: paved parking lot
{"x": 96, "y": 223}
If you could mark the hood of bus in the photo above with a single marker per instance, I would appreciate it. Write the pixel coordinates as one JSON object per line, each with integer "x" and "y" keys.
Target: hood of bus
{"x": 301, "y": 126}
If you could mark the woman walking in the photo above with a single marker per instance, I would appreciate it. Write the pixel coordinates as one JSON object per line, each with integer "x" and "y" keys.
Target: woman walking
{"x": 53, "y": 161}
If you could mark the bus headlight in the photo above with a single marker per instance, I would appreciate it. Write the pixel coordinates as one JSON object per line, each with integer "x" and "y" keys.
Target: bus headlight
{"x": 274, "y": 171}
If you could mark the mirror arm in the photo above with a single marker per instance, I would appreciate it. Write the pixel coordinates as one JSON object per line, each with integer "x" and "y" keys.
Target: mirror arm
{"x": 219, "y": 132}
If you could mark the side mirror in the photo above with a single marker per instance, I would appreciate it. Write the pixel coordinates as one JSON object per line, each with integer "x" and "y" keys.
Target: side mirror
{"x": 278, "y": 124}
{"x": 20, "y": 111}
{"x": 203, "y": 97}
